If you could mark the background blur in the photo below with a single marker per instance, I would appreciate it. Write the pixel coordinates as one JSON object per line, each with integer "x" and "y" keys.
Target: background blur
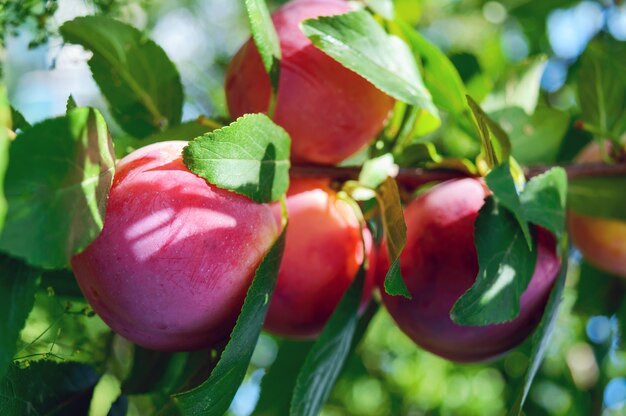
{"x": 585, "y": 369}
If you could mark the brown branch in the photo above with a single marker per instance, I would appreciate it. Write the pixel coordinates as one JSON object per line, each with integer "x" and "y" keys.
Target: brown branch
{"x": 415, "y": 177}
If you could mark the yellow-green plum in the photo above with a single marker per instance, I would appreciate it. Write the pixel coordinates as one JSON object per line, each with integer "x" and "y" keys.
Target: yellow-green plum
{"x": 329, "y": 111}
{"x": 439, "y": 263}
{"x": 172, "y": 265}
{"x": 602, "y": 241}
{"x": 323, "y": 252}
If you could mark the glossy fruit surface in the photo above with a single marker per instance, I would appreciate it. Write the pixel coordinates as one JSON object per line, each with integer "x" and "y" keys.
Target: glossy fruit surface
{"x": 329, "y": 111}
{"x": 176, "y": 256}
{"x": 439, "y": 264}
{"x": 602, "y": 241}
{"x": 323, "y": 252}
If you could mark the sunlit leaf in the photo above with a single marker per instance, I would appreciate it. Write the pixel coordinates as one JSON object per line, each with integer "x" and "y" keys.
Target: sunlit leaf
{"x": 249, "y": 157}
{"x": 60, "y": 172}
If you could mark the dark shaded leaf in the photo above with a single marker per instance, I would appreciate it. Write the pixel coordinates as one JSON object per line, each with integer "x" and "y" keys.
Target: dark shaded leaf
{"x": 281, "y": 378}
{"x": 18, "y": 284}
{"x": 46, "y": 387}
{"x": 543, "y": 334}
{"x": 328, "y": 355}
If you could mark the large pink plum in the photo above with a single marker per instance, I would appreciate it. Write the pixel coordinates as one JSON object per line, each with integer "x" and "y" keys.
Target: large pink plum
{"x": 439, "y": 264}
{"x": 172, "y": 265}
{"x": 329, "y": 111}
{"x": 323, "y": 253}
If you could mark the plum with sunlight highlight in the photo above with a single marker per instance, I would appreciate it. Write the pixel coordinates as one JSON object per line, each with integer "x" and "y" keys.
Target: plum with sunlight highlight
{"x": 174, "y": 261}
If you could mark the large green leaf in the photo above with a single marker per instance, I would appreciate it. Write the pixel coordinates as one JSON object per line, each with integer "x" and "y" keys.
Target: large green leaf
{"x": 265, "y": 38}
{"x": 602, "y": 88}
{"x": 599, "y": 197}
{"x": 5, "y": 123}
{"x": 18, "y": 283}
{"x": 249, "y": 157}
{"x": 60, "y": 172}
{"x": 519, "y": 88}
{"x": 543, "y": 333}
{"x": 325, "y": 360}
{"x": 46, "y": 388}
{"x": 535, "y": 139}
{"x": 358, "y": 42}
{"x": 154, "y": 371}
{"x": 213, "y": 397}
{"x": 506, "y": 267}
{"x": 134, "y": 74}
{"x": 388, "y": 197}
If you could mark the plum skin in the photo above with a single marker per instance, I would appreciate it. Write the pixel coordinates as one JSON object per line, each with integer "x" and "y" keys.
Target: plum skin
{"x": 329, "y": 111}
{"x": 602, "y": 241}
{"x": 176, "y": 256}
{"x": 323, "y": 252}
{"x": 439, "y": 263}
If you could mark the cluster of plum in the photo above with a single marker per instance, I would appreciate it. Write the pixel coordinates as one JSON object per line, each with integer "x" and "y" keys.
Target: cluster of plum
{"x": 172, "y": 265}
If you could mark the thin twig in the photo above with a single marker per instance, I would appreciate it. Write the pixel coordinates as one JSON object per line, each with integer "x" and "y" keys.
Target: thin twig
{"x": 415, "y": 177}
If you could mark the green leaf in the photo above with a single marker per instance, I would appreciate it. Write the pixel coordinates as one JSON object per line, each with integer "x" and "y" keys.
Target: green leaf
{"x": 541, "y": 338}
{"x": 440, "y": 75}
{"x": 601, "y": 89}
{"x": 358, "y": 42}
{"x": 501, "y": 183}
{"x": 188, "y": 130}
{"x": 213, "y": 397}
{"x": 506, "y": 266}
{"x": 46, "y": 387}
{"x": 5, "y": 123}
{"x": 18, "y": 284}
{"x": 519, "y": 88}
{"x": 325, "y": 360}
{"x": 57, "y": 184}
{"x": 543, "y": 200}
{"x": 249, "y": 157}
{"x": 388, "y": 197}
{"x": 375, "y": 171}
{"x": 265, "y": 38}
{"x": 154, "y": 371}
{"x": 134, "y": 74}
{"x": 19, "y": 122}
{"x": 281, "y": 378}
{"x": 598, "y": 197}
{"x": 535, "y": 139}
{"x": 497, "y": 149}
